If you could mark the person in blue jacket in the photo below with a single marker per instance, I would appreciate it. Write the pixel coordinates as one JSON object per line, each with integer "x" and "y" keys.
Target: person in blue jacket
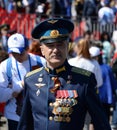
{"x": 109, "y": 87}
{"x": 58, "y": 96}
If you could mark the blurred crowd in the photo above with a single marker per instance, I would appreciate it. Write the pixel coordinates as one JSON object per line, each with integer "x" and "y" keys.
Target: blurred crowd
{"x": 67, "y": 8}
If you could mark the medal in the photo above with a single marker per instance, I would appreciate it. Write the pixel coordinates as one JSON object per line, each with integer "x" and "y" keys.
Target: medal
{"x": 56, "y": 104}
{"x": 51, "y": 104}
{"x": 40, "y": 79}
{"x": 66, "y": 110}
{"x": 55, "y": 118}
{"x": 74, "y": 101}
{"x": 64, "y": 119}
{"x": 58, "y": 109}
{"x": 62, "y": 107}
{"x": 60, "y": 118}
{"x": 38, "y": 92}
{"x": 50, "y": 118}
{"x": 68, "y": 119}
{"x": 62, "y": 102}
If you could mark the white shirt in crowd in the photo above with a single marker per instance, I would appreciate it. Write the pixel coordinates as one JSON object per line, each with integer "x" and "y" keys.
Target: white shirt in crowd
{"x": 18, "y": 72}
{"x": 90, "y": 65}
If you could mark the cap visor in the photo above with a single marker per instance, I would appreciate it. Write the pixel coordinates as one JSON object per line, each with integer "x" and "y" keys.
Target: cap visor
{"x": 16, "y": 50}
{"x": 52, "y": 40}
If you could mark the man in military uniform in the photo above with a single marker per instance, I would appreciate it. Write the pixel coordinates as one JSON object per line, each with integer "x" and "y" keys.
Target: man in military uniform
{"x": 58, "y": 96}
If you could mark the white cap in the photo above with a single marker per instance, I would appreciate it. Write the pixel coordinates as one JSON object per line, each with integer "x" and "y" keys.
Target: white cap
{"x": 17, "y": 43}
{"x": 94, "y": 51}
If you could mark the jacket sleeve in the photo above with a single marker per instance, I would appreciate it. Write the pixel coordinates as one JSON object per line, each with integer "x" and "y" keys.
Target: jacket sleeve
{"x": 26, "y": 119}
{"x": 5, "y": 91}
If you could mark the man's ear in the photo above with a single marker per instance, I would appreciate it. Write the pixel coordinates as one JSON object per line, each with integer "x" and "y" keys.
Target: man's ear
{"x": 42, "y": 51}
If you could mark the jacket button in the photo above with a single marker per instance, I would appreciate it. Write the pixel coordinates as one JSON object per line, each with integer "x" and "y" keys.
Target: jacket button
{"x": 51, "y": 104}
{"x": 50, "y": 118}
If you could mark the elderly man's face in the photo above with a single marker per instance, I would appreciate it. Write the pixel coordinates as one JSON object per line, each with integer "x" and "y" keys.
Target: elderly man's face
{"x": 55, "y": 53}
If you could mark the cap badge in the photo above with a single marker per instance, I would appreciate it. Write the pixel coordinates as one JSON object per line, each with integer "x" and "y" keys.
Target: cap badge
{"x": 54, "y": 33}
{"x": 52, "y": 21}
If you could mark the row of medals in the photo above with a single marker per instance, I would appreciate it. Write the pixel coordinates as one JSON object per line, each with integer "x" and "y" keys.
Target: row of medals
{"x": 62, "y": 109}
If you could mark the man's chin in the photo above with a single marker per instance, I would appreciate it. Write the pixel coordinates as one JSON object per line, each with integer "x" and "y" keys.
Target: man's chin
{"x": 56, "y": 61}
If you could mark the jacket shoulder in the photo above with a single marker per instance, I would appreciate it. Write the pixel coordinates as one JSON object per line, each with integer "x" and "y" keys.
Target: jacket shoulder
{"x": 81, "y": 71}
{"x": 33, "y": 72}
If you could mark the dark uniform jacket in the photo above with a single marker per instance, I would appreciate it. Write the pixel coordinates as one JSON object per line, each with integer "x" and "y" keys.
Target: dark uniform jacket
{"x": 46, "y": 108}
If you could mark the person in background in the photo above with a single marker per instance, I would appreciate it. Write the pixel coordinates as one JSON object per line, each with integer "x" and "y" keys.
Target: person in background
{"x": 4, "y": 28}
{"x": 71, "y": 49}
{"x": 12, "y": 72}
{"x": 3, "y": 55}
{"x": 87, "y": 35}
{"x": 109, "y": 86}
{"x": 108, "y": 47}
{"x": 29, "y": 6}
{"x": 114, "y": 69}
{"x": 34, "y": 47}
{"x": 84, "y": 60}
{"x": 114, "y": 114}
{"x": 106, "y": 14}
{"x": 58, "y": 95}
{"x": 89, "y": 9}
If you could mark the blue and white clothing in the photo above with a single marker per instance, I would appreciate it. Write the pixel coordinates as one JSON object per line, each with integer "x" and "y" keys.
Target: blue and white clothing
{"x": 106, "y": 15}
{"x": 18, "y": 71}
{"x": 109, "y": 84}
